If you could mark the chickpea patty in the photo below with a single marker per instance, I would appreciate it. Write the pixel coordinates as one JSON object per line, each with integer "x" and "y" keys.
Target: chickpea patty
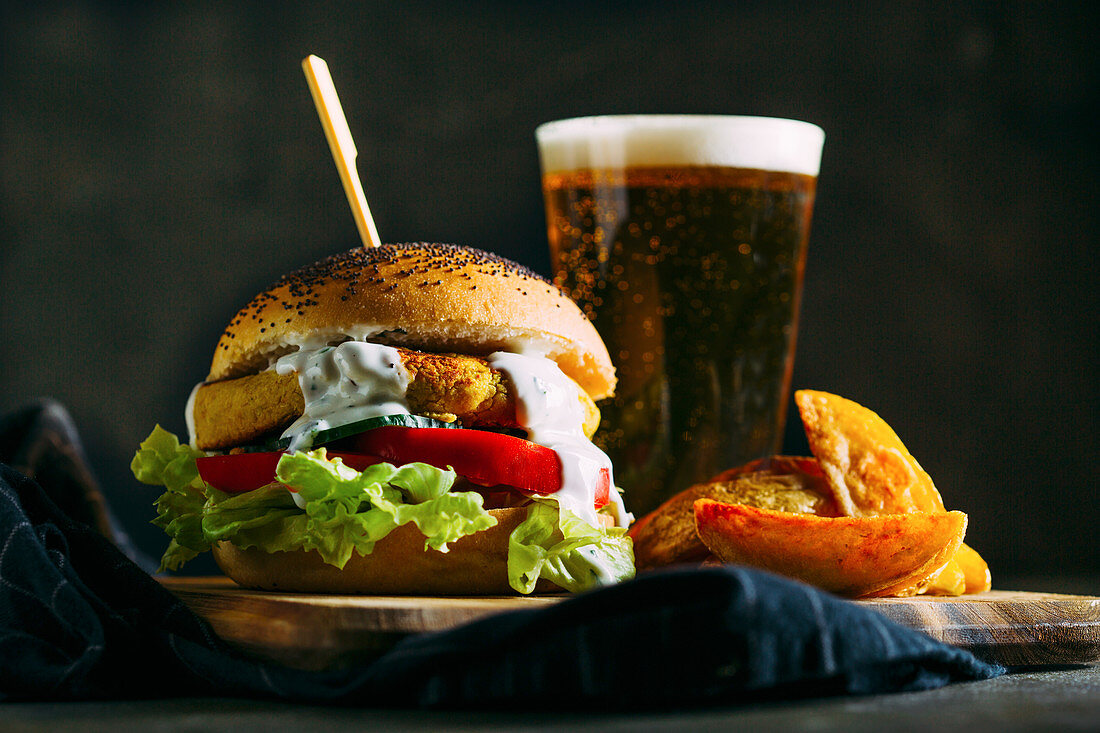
{"x": 446, "y": 387}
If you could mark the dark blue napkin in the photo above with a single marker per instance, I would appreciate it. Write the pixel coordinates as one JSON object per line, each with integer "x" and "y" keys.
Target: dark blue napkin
{"x": 80, "y": 620}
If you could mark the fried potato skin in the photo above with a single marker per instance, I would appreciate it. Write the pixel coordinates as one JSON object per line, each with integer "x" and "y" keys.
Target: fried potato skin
{"x": 850, "y": 556}
{"x": 861, "y": 471}
{"x": 974, "y": 568}
{"x": 667, "y": 535}
{"x": 871, "y": 472}
{"x": 446, "y": 387}
{"x": 869, "y": 468}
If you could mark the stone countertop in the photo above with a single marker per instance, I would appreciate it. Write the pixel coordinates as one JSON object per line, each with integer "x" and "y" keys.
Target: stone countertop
{"x": 1061, "y": 699}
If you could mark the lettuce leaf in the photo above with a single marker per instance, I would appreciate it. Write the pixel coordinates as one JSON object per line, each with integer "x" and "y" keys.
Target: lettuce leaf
{"x": 266, "y": 518}
{"x": 555, "y": 544}
{"x": 336, "y": 511}
{"x": 340, "y": 510}
{"x": 162, "y": 460}
{"x": 351, "y": 510}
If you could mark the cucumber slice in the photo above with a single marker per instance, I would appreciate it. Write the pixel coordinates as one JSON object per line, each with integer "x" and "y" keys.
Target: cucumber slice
{"x": 361, "y": 426}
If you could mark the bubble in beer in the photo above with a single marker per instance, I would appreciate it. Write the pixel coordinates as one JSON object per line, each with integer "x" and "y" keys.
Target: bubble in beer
{"x": 691, "y": 274}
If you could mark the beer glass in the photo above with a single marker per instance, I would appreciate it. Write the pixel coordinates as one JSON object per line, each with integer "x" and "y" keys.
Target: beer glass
{"x": 684, "y": 238}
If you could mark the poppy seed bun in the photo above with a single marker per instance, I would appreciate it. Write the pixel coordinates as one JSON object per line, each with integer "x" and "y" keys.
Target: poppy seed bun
{"x": 436, "y": 297}
{"x": 399, "y": 565}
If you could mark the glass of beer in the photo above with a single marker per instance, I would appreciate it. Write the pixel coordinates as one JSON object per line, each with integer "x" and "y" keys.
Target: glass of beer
{"x": 684, "y": 238}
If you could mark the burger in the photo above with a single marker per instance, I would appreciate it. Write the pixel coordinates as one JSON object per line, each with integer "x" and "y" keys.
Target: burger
{"x": 403, "y": 419}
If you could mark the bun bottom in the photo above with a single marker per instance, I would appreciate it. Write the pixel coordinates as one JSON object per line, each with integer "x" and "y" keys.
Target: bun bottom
{"x": 475, "y": 565}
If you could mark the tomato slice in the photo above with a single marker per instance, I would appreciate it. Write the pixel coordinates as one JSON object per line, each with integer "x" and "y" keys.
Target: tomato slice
{"x": 603, "y": 489}
{"x": 241, "y": 472}
{"x": 491, "y": 460}
{"x": 481, "y": 456}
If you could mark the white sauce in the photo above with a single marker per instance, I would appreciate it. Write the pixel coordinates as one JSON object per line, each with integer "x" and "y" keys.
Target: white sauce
{"x": 599, "y": 564}
{"x": 549, "y": 407}
{"x": 189, "y": 416}
{"x": 343, "y": 384}
{"x": 357, "y": 380}
{"x": 297, "y": 499}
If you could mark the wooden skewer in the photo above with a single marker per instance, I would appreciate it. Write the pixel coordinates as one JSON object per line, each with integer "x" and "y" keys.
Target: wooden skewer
{"x": 341, "y": 143}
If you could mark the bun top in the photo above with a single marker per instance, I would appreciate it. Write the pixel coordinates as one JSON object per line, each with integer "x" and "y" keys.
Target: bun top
{"x": 438, "y": 297}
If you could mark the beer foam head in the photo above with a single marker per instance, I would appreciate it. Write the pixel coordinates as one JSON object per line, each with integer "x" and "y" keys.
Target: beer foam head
{"x": 618, "y": 141}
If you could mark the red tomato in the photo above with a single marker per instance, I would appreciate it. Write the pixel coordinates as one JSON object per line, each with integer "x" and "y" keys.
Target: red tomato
{"x": 241, "y": 472}
{"x": 482, "y": 457}
{"x": 488, "y": 459}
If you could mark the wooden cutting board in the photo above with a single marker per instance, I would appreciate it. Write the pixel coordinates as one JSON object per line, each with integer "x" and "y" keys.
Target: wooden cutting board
{"x": 309, "y": 631}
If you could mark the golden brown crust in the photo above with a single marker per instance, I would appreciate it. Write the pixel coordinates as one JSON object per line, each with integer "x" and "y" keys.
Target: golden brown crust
{"x": 447, "y": 387}
{"x": 870, "y": 470}
{"x": 435, "y": 296}
{"x": 667, "y": 535}
{"x": 850, "y": 556}
{"x": 238, "y": 411}
{"x": 399, "y": 565}
{"x": 453, "y": 387}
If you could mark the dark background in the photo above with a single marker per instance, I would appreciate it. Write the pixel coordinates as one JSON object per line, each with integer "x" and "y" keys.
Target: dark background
{"x": 160, "y": 165}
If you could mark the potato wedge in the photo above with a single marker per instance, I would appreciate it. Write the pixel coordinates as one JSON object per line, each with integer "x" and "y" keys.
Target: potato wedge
{"x": 871, "y": 472}
{"x": 667, "y": 535}
{"x": 868, "y": 467}
{"x": 975, "y": 570}
{"x": 850, "y": 556}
